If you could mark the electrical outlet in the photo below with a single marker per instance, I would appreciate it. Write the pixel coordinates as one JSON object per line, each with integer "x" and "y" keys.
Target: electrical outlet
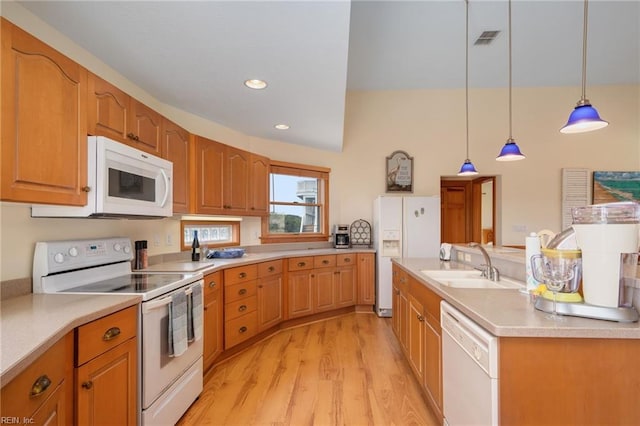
{"x": 156, "y": 240}
{"x": 467, "y": 257}
{"x": 460, "y": 256}
{"x": 519, "y": 228}
{"x": 169, "y": 240}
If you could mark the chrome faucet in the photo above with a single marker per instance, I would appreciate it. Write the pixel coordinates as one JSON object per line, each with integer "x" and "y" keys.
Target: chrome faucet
{"x": 488, "y": 271}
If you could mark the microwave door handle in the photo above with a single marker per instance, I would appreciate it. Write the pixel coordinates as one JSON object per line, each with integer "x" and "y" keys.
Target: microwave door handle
{"x": 166, "y": 187}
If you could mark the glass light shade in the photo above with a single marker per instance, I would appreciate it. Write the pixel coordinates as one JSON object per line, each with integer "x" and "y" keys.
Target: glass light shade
{"x": 584, "y": 118}
{"x": 467, "y": 169}
{"x": 510, "y": 152}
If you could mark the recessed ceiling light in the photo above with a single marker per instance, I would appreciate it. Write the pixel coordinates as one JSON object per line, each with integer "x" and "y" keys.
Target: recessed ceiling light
{"x": 255, "y": 84}
{"x": 282, "y": 126}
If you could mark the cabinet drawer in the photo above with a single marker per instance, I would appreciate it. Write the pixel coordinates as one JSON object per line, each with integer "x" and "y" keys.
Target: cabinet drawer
{"x": 240, "y": 307}
{"x": 41, "y": 379}
{"x": 212, "y": 282}
{"x": 266, "y": 269}
{"x": 239, "y": 291}
{"x": 105, "y": 333}
{"x": 300, "y": 263}
{"x": 240, "y": 274}
{"x": 324, "y": 261}
{"x": 345, "y": 259}
{"x": 240, "y": 329}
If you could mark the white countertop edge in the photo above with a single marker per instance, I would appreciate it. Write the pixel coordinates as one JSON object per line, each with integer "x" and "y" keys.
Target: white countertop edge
{"x": 24, "y": 337}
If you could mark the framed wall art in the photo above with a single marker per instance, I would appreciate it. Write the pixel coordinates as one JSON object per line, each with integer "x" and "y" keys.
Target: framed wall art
{"x": 399, "y": 172}
{"x": 611, "y": 187}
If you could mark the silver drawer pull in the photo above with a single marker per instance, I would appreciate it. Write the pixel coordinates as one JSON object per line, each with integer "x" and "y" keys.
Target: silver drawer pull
{"x": 111, "y": 334}
{"x": 41, "y": 384}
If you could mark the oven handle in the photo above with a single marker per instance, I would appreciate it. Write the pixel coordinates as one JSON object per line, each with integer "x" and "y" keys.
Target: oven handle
{"x": 150, "y": 306}
{"x": 166, "y": 187}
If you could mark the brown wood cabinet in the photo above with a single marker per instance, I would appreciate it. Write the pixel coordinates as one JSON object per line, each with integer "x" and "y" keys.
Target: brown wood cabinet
{"x": 346, "y": 283}
{"x": 213, "y": 318}
{"x": 259, "y": 184}
{"x": 43, "y": 392}
{"x": 415, "y": 334}
{"x": 270, "y": 294}
{"x": 44, "y": 123}
{"x": 209, "y": 159}
{"x": 366, "y": 278}
{"x": 236, "y": 180}
{"x": 175, "y": 148}
{"x": 118, "y": 116}
{"x": 400, "y": 306}
{"x": 299, "y": 287}
{"x": 240, "y": 304}
{"x": 107, "y": 370}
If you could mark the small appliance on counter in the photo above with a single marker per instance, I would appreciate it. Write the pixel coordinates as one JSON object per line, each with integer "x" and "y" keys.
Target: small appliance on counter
{"x": 445, "y": 251}
{"x": 606, "y": 236}
{"x": 341, "y": 236}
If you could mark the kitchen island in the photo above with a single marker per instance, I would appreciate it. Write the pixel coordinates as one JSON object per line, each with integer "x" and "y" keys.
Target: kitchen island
{"x": 576, "y": 371}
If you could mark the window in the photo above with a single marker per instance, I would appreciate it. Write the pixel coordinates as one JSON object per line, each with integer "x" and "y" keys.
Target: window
{"x": 298, "y": 204}
{"x": 210, "y": 233}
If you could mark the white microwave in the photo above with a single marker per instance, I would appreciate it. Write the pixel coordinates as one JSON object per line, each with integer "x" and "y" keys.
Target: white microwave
{"x": 122, "y": 182}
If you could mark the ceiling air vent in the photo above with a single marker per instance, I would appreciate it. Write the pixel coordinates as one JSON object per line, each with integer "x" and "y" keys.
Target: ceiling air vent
{"x": 486, "y": 37}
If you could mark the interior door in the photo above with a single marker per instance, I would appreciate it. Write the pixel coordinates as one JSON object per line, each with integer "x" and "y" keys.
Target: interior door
{"x": 455, "y": 196}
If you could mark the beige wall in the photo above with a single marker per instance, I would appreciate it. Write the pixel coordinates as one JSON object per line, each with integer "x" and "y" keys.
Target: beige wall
{"x": 428, "y": 124}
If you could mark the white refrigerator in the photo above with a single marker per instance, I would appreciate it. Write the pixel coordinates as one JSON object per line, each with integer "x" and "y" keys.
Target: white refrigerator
{"x": 403, "y": 226}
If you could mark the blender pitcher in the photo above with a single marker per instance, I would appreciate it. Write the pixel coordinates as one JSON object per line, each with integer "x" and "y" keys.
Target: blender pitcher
{"x": 603, "y": 232}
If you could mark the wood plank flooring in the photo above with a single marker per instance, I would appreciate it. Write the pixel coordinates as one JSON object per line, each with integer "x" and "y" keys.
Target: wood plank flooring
{"x": 347, "y": 370}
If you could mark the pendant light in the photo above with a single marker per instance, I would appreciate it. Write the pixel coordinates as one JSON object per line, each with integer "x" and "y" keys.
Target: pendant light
{"x": 584, "y": 117}
{"x": 510, "y": 150}
{"x": 467, "y": 168}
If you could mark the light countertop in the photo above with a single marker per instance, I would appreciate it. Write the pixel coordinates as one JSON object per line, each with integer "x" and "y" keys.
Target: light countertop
{"x": 31, "y": 324}
{"x": 510, "y": 313}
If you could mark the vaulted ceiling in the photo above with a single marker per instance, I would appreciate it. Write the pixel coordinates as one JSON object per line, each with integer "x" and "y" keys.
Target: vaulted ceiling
{"x": 195, "y": 55}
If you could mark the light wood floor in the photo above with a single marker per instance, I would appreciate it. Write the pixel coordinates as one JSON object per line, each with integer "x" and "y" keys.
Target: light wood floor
{"x": 347, "y": 370}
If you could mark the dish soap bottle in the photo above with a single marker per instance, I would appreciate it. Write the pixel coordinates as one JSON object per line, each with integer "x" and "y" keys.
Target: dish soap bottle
{"x": 195, "y": 248}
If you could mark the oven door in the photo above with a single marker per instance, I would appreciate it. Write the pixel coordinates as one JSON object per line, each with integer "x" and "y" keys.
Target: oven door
{"x": 159, "y": 370}
{"x": 129, "y": 181}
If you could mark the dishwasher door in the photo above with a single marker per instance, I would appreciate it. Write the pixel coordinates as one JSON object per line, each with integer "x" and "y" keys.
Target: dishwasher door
{"x": 469, "y": 371}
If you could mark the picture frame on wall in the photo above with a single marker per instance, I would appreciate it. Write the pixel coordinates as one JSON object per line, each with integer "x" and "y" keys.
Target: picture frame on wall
{"x": 399, "y": 172}
{"x": 612, "y": 187}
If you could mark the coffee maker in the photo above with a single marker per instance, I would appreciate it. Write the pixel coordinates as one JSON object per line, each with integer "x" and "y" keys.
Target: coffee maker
{"x": 607, "y": 237}
{"x": 341, "y": 236}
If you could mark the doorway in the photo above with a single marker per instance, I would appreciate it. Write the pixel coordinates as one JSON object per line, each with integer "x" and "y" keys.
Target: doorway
{"x": 468, "y": 210}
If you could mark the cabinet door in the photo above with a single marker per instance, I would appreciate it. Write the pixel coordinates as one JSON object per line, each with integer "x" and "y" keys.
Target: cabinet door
{"x": 345, "y": 286}
{"x": 209, "y": 183}
{"x": 107, "y": 110}
{"x": 175, "y": 148}
{"x": 44, "y": 122}
{"x": 53, "y": 410}
{"x": 366, "y": 278}
{"x": 145, "y": 128}
{"x": 403, "y": 320}
{"x": 300, "y": 295}
{"x": 323, "y": 284}
{"x": 236, "y": 188}
{"x": 106, "y": 387}
{"x": 213, "y": 318}
{"x": 395, "y": 319}
{"x": 258, "y": 185}
{"x": 269, "y": 301}
{"x": 433, "y": 363}
{"x": 416, "y": 338}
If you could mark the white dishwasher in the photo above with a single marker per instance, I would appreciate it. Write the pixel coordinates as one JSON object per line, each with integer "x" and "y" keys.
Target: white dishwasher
{"x": 469, "y": 370}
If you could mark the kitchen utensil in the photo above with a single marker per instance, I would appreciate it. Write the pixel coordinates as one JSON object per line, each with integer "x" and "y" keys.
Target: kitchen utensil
{"x": 556, "y": 268}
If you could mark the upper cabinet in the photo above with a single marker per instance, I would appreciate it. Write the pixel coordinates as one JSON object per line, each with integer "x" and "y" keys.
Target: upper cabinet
{"x": 259, "y": 184}
{"x": 44, "y": 123}
{"x": 118, "y": 116}
{"x": 229, "y": 181}
{"x": 175, "y": 148}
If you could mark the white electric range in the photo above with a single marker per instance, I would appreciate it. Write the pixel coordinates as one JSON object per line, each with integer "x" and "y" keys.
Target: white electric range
{"x": 168, "y": 384}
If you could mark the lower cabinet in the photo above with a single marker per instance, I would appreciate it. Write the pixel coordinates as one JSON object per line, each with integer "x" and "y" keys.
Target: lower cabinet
{"x": 366, "y": 278}
{"x": 43, "y": 392}
{"x": 240, "y": 304}
{"x": 213, "y": 318}
{"x": 416, "y": 323}
{"x": 269, "y": 294}
{"x": 106, "y": 370}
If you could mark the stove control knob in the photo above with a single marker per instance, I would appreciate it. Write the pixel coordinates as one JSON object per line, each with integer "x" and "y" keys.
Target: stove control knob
{"x": 126, "y": 249}
{"x": 58, "y": 258}
{"x": 73, "y": 251}
{"x": 117, "y": 247}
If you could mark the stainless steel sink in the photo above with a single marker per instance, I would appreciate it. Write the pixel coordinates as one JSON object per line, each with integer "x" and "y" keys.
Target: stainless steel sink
{"x": 464, "y": 278}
